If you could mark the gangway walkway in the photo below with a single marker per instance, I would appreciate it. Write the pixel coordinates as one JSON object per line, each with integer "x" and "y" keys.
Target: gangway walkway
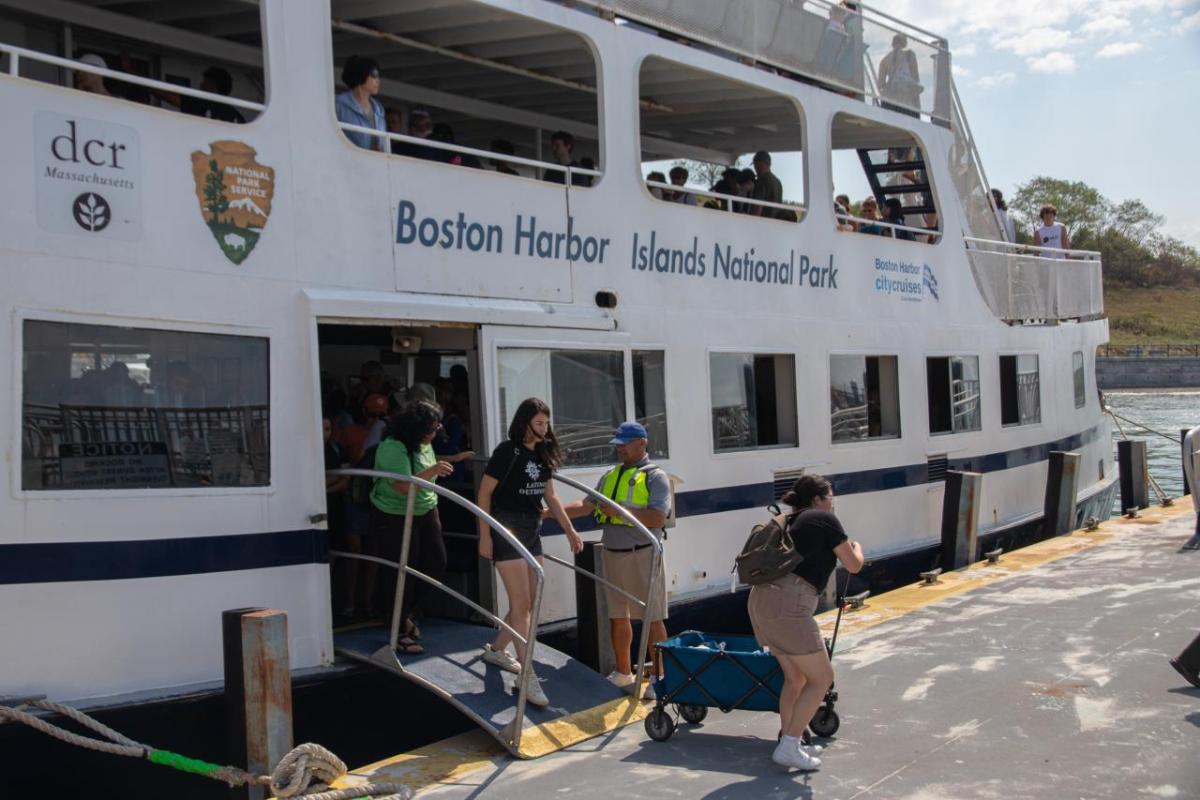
{"x": 583, "y": 703}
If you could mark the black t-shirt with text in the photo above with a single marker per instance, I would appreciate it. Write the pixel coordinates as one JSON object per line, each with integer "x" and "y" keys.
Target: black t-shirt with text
{"x": 521, "y": 479}
{"x": 815, "y": 533}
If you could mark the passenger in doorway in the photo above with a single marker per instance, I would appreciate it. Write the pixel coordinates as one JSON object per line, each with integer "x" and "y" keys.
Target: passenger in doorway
{"x": 345, "y": 584}
{"x": 1008, "y": 229}
{"x": 900, "y": 78}
{"x": 1051, "y": 233}
{"x": 562, "y": 149}
{"x": 408, "y": 451}
{"x": 371, "y": 380}
{"x": 515, "y": 482}
{"x": 505, "y": 148}
{"x": 766, "y": 187}
{"x": 89, "y": 81}
{"x": 357, "y": 104}
{"x": 375, "y": 409}
{"x": 679, "y": 177}
{"x": 893, "y": 213}
{"x": 214, "y": 81}
{"x": 451, "y": 443}
{"x": 781, "y": 613}
{"x": 644, "y": 490}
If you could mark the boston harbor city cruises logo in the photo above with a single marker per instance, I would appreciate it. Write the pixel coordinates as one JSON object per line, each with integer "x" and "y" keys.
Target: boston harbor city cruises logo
{"x": 905, "y": 280}
{"x": 235, "y": 194}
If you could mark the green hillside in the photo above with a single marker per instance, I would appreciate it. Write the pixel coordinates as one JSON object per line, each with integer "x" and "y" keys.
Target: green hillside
{"x": 1153, "y": 316}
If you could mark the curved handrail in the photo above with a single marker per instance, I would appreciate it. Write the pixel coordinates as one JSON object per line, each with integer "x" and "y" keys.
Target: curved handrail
{"x": 799, "y": 208}
{"x": 1085, "y": 255}
{"x": 529, "y": 641}
{"x": 653, "y": 541}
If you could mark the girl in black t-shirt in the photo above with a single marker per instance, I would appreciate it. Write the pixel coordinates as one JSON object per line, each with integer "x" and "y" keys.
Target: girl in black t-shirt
{"x": 782, "y": 614}
{"x": 515, "y": 482}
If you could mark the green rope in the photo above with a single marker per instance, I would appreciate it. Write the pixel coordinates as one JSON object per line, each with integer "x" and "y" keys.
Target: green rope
{"x": 193, "y": 765}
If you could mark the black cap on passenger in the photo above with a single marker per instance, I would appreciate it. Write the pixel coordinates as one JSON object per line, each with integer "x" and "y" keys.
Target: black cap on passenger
{"x": 763, "y": 157}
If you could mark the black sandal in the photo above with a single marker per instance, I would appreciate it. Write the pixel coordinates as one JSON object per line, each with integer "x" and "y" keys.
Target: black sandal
{"x": 409, "y": 646}
{"x": 411, "y": 630}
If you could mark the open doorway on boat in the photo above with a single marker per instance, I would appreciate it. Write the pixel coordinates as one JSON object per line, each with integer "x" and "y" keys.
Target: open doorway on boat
{"x": 369, "y": 372}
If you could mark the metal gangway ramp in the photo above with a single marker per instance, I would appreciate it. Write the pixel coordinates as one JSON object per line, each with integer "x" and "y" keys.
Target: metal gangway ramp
{"x": 583, "y": 703}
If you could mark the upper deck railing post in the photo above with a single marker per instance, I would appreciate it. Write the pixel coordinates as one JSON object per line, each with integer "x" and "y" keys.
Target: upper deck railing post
{"x": 943, "y": 96}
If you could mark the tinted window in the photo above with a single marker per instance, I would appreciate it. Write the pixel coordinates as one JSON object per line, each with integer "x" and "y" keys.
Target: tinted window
{"x": 753, "y": 400}
{"x": 864, "y": 397}
{"x": 650, "y": 398}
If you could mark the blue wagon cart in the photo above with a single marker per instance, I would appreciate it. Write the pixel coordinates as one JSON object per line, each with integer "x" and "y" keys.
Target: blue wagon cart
{"x": 702, "y": 671}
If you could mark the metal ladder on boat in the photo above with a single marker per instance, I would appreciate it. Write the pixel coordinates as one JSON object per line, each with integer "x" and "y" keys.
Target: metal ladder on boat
{"x": 583, "y": 702}
{"x": 894, "y": 170}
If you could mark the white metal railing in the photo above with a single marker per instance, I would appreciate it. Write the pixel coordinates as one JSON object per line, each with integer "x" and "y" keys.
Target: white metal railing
{"x": 16, "y": 54}
{"x": 888, "y": 226}
{"x": 797, "y": 208}
{"x": 1018, "y": 285}
{"x": 471, "y": 151}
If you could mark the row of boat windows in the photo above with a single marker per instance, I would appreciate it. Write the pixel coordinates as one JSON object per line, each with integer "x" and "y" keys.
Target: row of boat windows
{"x": 109, "y": 407}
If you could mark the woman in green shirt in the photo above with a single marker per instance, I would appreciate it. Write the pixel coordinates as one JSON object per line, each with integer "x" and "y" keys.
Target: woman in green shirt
{"x": 407, "y": 450}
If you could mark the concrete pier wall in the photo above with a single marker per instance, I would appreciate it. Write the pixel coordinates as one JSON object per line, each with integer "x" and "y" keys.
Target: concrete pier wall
{"x": 1148, "y": 373}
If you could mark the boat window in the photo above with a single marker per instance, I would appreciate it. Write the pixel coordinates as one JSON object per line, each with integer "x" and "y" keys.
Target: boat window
{"x": 108, "y": 407}
{"x": 1020, "y": 390}
{"x": 715, "y": 143}
{"x": 753, "y": 400}
{"x": 953, "y": 387}
{"x": 881, "y": 183}
{"x": 204, "y": 59}
{"x": 864, "y": 395}
{"x": 585, "y": 390}
{"x": 650, "y": 398}
{"x": 1077, "y": 375}
{"x": 469, "y": 84}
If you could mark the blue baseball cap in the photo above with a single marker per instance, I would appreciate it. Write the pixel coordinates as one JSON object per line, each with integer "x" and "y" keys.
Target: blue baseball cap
{"x": 629, "y": 431}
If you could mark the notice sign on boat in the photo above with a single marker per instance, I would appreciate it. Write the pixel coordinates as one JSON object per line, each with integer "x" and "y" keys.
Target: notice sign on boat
{"x": 114, "y": 465}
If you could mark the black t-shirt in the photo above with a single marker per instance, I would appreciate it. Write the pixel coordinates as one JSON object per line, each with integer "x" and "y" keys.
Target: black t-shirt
{"x": 521, "y": 479}
{"x": 815, "y": 533}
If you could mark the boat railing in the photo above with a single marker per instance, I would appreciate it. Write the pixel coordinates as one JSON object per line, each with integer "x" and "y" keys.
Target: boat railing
{"x": 17, "y": 54}
{"x": 728, "y": 200}
{"x": 891, "y": 226}
{"x": 1031, "y": 283}
{"x": 568, "y": 170}
{"x": 530, "y": 641}
{"x": 819, "y": 40}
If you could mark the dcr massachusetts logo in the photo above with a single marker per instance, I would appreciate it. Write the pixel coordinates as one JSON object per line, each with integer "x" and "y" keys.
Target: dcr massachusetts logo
{"x": 235, "y": 193}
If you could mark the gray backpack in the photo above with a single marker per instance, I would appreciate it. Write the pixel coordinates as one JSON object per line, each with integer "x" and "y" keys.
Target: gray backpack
{"x": 769, "y": 552}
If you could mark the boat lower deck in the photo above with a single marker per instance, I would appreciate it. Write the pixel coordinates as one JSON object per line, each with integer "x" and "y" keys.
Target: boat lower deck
{"x": 1044, "y": 676}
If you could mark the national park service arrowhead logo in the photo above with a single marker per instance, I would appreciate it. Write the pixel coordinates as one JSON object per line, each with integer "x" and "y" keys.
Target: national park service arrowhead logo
{"x": 235, "y": 194}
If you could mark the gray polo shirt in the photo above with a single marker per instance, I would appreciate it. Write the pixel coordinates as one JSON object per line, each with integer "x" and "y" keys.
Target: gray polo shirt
{"x": 624, "y": 537}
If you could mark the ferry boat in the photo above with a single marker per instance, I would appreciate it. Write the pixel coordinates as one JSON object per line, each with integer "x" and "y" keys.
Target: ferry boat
{"x": 181, "y": 290}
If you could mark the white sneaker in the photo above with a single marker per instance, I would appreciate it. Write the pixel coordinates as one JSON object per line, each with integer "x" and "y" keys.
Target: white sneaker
{"x": 620, "y": 679}
{"x": 501, "y": 659}
{"x": 812, "y": 749}
{"x": 534, "y": 693}
{"x": 791, "y": 755}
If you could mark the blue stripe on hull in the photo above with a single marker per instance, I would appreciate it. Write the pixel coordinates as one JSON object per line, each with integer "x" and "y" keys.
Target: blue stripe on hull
{"x": 125, "y": 560}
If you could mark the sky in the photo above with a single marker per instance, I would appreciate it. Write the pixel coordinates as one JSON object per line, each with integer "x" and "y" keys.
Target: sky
{"x": 1101, "y": 91}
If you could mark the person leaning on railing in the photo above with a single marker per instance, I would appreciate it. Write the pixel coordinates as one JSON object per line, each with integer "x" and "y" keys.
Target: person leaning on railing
{"x": 358, "y": 106}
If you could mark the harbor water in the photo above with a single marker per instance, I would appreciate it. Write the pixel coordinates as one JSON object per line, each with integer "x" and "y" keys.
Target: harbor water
{"x": 1166, "y": 412}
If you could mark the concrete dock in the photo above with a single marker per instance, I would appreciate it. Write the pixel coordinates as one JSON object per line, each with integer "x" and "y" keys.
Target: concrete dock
{"x": 1044, "y": 676}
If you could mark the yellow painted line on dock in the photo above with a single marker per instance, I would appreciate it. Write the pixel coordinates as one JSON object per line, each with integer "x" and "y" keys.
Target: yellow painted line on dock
{"x": 451, "y": 759}
{"x": 906, "y": 599}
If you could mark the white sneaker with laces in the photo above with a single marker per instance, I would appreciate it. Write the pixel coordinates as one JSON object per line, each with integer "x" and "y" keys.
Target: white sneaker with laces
{"x": 620, "y": 680}
{"x": 501, "y": 659}
{"x": 789, "y": 754}
{"x": 533, "y": 691}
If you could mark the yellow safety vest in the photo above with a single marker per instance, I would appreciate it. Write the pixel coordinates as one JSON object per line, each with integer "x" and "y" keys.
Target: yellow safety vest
{"x": 636, "y": 492}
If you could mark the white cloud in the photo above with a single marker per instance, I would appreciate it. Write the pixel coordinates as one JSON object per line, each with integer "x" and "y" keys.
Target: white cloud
{"x": 1033, "y": 41}
{"x": 1118, "y": 49}
{"x": 960, "y": 71}
{"x": 1190, "y": 23}
{"x": 1056, "y": 62}
{"x": 1103, "y": 26}
{"x": 964, "y": 50}
{"x": 994, "y": 81}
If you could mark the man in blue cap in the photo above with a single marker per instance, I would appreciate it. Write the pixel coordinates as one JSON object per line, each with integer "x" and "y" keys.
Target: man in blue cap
{"x": 644, "y": 490}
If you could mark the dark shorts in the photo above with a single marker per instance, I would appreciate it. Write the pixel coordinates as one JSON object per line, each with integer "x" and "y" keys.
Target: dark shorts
{"x": 526, "y": 527}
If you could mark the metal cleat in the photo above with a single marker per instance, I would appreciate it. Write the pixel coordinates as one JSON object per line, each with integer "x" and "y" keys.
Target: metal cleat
{"x": 1167, "y": 502}
{"x": 1091, "y": 524}
{"x": 931, "y": 577}
{"x": 993, "y": 556}
{"x": 856, "y": 601}
{"x": 1131, "y": 513}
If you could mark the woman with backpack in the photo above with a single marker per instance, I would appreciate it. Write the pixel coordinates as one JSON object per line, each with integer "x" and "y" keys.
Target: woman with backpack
{"x": 781, "y": 612}
{"x": 407, "y": 451}
{"x": 515, "y": 482}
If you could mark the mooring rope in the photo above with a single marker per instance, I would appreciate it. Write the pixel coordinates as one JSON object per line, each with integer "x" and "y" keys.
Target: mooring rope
{"x": 1115, "y": 415}
{"x": 1162, "y": 496}
{"x": 304, "y": 773}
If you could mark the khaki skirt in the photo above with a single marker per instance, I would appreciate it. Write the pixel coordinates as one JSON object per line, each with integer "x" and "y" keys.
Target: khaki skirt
{"x": 782, "y": 615}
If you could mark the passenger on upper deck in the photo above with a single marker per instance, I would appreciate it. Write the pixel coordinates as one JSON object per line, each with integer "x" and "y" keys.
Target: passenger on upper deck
{"x": 892, "y": 213}
{"x": 420, "y": 126}
{"x": 1008, "y": 229}
{"x": 88, "y": 81}
{"x": 657, "y": 191}
{"x": 730, "y": 184}
{"x": 1051, "y": 233}
{"x": 215, "y": 80}
{"x": 870, "y": 211}
{"x": 679, "y": 177}
{"x": 767, "y": 187}
{"x": 358, "y": 106}
{"x": 506, "y": 148}
{"x": 900, "y": 78}
{"x": 562, "y": 147}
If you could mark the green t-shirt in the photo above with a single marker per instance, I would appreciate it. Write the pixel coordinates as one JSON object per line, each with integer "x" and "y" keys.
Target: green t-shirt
{"x": 392, "y": 456}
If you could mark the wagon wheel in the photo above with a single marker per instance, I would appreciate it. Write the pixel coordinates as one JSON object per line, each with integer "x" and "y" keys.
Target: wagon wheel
{"x": 659, "y": 725}
{"x": 693, "y": 713}
{"x": 825, "y": 722}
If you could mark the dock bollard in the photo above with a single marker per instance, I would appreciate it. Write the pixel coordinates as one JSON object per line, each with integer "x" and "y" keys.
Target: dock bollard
{"x": 258, "y": 690}
{"x": 1183, "y": 432}
{"x": 1062, "y": 484}
{"x": 1135, "y": 475}
{"x": 960, "y": 518}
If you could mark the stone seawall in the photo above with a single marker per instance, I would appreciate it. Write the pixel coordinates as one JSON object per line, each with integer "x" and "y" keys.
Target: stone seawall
{"x": 1147, "y": 373}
